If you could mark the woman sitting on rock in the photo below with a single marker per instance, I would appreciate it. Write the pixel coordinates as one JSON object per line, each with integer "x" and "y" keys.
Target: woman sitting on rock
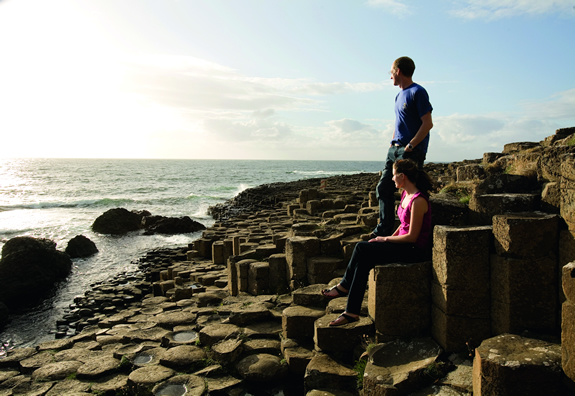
{"x": 410, "y": 243}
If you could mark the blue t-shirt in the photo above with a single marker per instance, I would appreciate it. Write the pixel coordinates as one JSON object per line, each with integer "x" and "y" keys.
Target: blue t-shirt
{"x": 411, "y": 104}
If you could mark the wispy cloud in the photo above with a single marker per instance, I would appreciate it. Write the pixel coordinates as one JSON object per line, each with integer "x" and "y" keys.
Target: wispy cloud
{"x": 396, "y": 7}
{"x": 468, "y": 136}
{"x": 498, "y": 9}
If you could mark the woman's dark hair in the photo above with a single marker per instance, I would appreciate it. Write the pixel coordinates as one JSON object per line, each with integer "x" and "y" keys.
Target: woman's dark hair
{"x": 417, "y": 176}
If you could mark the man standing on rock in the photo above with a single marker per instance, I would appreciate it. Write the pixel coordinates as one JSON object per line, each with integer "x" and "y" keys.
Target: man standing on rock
{"x": 410, "y": 137}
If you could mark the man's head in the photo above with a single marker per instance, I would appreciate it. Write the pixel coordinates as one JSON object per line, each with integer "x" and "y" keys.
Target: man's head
{"x": 406, "y": 65}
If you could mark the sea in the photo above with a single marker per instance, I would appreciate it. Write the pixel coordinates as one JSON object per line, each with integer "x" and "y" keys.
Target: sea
{"x": 59, "y": 199}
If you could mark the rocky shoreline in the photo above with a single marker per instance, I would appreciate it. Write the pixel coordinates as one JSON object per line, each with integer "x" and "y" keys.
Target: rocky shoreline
{"x": 239, "y": 310}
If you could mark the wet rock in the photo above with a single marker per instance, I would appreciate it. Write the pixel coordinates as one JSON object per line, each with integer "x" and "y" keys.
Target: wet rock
{"x": 174, "y": 225}
{"x": 81, "y": 246}
{"x": 118, "y": 221}
{"x": 29, "y": 269}
{"x": 262, "y": 368}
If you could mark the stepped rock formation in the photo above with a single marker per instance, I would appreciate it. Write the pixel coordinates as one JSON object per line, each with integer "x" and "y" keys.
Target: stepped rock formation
{"x": 240, "y": 310}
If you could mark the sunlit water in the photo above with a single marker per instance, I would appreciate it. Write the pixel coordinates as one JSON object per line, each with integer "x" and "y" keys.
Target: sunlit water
{"x": 60, "y": 198}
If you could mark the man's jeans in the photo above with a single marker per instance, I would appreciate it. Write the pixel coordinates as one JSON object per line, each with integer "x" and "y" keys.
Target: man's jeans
{"x": 386, "y": 188}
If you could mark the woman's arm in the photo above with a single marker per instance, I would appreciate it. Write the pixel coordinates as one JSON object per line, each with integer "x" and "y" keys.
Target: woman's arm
{"x": 383, "y": 239}
{"x": 419, "y": 208}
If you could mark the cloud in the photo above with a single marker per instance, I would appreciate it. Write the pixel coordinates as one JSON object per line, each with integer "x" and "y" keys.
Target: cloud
{"x": 349, "y": 130}
{"x": 195, "y": 84}
{"x": 394, "y": 6}
{"x": 498, "y": 9}
{"x": 559, "y": 106}
{"x": 464, "y": 136}
{"x": 252, "y": 130}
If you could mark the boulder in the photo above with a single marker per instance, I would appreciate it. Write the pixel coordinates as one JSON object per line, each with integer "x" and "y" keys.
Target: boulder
{"x": 118, "y": 221}
{"x": 29, "y": 268}
{"x": 80, "y": 246}
{"x": 174, "y": 225}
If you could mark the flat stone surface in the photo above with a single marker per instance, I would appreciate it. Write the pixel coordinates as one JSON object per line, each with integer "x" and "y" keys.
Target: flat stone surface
{"x": 191, "y": 384}
{"x": 222, "y": 383}
{"x": 249, "y": 314}
{"x": 56, "y": 345}
{"x": 69, "y": 387}
{"x": 113, "y": 383}
{"x": 175, "y": 318}
{"x": 226, "y": 351}
{"x": 15, "y": 356}
{"x": 97, "y": 368}
{"x": 263, "y": 329}
{"x": 262, "y": 368}
{"x": 55, "y": 371}
{"x": 298, "y": 321}
{"x": 310, "y": 296}
{"x": 262, "y": 346}
{"x": 513, "y": 365}
{"x": 79, "y": 354}
{"x": 150, "y": 375}
{"x": 329, "y": 338}
{"x": 209, "y": 335}
{"x": 324, "y": 372}
{"x": 183, "y": 355}
{"x": 329, "y": 392}
{"x": 36, "y": 361}
{"x": 461, "y": 378}
{"x": 439, "y": 390}
{"x": 152, "y": 334}
{"x": 397, "y": 366}
{"x": 147, "y": 357}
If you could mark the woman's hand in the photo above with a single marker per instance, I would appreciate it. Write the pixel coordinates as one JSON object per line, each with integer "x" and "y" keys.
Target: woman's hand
{"x": 378, "y": 239}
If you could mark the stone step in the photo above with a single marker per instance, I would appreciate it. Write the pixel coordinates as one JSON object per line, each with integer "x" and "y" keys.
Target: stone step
{"x": 483, "y": 207}
{"x": 397, "y": 367}
{"x": 329, "y": 338}
{"x": 324, "y": 372}
{"x": 513, "y": 365}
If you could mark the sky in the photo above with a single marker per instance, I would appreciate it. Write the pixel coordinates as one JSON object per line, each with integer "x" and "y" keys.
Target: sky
{"x": 278, "y": 79}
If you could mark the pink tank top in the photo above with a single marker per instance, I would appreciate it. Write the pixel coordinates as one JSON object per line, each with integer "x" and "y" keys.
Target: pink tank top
{"x": 405, "y": 218}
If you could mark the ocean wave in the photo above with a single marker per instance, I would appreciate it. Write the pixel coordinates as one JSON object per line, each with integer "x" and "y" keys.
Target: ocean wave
{"x": 324, "y": 173}
{"x": 73, "y": 204}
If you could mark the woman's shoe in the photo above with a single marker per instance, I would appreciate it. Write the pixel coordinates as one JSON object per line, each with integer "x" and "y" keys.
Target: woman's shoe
{"x": 340, "y": 293}
{"x": 343, "y": 319}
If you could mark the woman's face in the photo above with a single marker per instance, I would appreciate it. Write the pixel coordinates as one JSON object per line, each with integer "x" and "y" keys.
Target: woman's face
{"x": 398, "y": 179}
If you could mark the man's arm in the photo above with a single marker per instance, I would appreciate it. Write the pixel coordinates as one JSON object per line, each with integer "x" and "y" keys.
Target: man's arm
{"x": 426, "y": 125}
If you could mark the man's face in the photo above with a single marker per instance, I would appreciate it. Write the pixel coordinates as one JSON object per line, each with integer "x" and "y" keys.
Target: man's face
{"x": 394, "y": 73}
